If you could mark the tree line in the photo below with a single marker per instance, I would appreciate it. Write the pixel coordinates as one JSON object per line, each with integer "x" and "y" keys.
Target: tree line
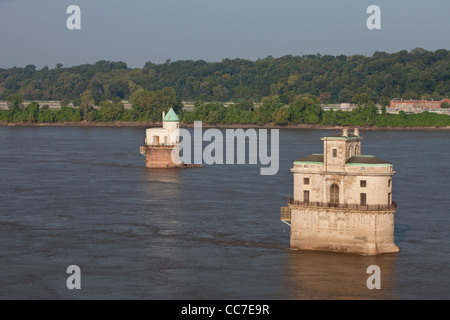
{"x": 405, "y": 74}
{"x": 147, "y": 106}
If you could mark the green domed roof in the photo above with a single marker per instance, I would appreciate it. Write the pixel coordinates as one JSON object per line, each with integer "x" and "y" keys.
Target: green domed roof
{"x": 171, "y": 116}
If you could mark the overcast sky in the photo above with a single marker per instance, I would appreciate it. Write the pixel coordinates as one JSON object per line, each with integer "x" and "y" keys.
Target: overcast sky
{"x": 137, "y": 31}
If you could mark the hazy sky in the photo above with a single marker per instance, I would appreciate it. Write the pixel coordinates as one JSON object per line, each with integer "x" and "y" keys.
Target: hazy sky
{"x": 137, "y": 31}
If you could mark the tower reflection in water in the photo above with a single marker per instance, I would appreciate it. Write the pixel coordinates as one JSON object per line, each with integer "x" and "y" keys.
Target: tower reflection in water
{"x": 164, "y": 197}
{"x": 325, "y": 275}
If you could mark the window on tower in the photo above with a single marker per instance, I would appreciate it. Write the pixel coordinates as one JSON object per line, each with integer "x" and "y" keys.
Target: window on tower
{"x": 334, "y": 194}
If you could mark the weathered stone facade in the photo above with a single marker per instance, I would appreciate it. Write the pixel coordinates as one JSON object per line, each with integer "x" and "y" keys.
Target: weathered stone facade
{"x": 342, "y": 200}
{"x": 160, "y": 157}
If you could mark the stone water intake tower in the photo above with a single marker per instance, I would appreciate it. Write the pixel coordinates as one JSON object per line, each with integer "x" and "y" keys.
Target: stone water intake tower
{"x": 161, "y": 142}
{"x": 342, "y": 200}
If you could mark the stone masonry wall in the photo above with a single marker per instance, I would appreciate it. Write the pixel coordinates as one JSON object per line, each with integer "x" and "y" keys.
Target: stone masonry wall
{"x": 159, "y": 157}
{"x": 342, "y": 230}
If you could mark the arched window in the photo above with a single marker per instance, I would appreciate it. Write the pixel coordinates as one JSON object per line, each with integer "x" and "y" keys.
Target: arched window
{"x": 334, "y": 194}
{"x": 349, "y": 151}
{"x": 155, "y": 140}
{"x": 356, "y": 150}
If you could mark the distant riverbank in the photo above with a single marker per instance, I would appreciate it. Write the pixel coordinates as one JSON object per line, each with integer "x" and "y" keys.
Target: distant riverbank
{"x": 206, "y": 125}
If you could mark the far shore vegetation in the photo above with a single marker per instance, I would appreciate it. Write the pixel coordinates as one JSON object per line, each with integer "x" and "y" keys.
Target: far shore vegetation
{"x": 289, "y": 90}
{"x": 147, "y": 107}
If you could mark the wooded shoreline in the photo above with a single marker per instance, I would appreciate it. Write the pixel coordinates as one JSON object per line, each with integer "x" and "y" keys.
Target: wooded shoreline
{"x": 208, "y": 125}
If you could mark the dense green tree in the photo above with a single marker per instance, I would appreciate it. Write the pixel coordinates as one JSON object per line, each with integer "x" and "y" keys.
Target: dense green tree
{"x": 149, "y": 105}
{"x": 111, "y": 111}
{"x": 15, "y": 102}
{"x": 245, "y": 105}
{"x": 305, "y": 109}
{"x": 368, "y": 113}
{"x": 282, "y": 116}
{"x": 67, "y": 114}
{"x": 31, "y": 112}
{"x": 77, "y": 102}
{"x": 64, "y": 102}
{"x": 360, "y": 99}
{"x": 87, "y": 107}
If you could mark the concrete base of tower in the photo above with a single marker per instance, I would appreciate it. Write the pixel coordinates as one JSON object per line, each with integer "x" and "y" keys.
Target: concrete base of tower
{"x": 342, "y": 230}
{"x": 160, "y": 156}
{"x": 368, "y": 250}
{"x": 164, "y": 157}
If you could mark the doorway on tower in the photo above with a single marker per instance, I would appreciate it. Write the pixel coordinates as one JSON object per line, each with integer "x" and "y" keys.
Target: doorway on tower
{"x": 306, "y": 196}
{"x": 362, "y": 200}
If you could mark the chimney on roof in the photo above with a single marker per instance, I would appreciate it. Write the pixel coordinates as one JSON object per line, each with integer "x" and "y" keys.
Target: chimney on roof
{"x": 345, "y": 132}
{"x": 356, "y": 132}
{"x": 164, "y": 114}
